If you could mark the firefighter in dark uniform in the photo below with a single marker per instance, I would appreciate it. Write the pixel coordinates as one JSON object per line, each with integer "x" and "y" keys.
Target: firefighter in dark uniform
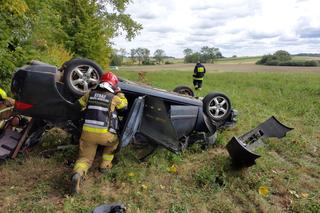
{"x": 198, "y": 74}
{"x": 100, "y": 126}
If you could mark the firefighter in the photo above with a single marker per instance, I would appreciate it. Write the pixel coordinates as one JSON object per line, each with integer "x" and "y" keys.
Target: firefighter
{"x": 100, "y": 126}
{"x": 198, "y": 74}
{"x": 6, "y": 104}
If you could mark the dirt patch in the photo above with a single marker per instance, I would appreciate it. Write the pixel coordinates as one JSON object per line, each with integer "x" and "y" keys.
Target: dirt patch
{"x": 223, "y": 68}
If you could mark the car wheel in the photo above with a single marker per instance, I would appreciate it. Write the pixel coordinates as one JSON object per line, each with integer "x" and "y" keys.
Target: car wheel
{"x": 81, "y": 75}
{"x": 217, "y": 106}
{"x": 184, "y": 90}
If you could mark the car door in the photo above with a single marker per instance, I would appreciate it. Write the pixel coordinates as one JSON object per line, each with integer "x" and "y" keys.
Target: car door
{"x": 133, "y": 121}
{"x": 150, "y": 117}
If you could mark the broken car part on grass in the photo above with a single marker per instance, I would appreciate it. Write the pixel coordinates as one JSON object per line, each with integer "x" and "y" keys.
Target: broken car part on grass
{"x": 169, "y": 119}
{"x": 242, "y": 148}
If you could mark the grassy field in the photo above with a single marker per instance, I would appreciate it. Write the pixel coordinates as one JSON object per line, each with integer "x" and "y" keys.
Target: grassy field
{"x": 234, "y": 61}
{"x": 238, "y": 60}
{"x": 222, "y": 67}
{"x": 204, "y": 180}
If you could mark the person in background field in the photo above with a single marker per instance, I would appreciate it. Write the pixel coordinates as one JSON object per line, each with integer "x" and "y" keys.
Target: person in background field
{"x": 198, "y": 74}
{"x": 100, "y": 126}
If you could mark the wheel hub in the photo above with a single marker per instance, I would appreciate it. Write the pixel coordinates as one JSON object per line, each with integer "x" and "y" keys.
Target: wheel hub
{"x": 84, "y": 76}
{"x": 218, "y": 107}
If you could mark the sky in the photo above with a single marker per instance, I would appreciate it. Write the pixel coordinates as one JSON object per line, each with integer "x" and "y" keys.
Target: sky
{"x": 236, "y": 27}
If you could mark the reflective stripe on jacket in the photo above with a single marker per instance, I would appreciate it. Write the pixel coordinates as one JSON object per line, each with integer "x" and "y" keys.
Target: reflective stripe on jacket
{"x": 101, "y": 115}
{"x": 199, "y": 79}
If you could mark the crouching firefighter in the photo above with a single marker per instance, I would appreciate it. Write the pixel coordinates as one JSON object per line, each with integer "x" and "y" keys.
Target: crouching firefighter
{"x": 100, "y": 126}
{"x": 6, "y": 105}
{"x": 198, "y": 74}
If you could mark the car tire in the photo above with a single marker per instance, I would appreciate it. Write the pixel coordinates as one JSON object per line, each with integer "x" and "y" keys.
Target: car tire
{"x": 184, "y": 90}
{"x": 81, "y": 75}
{"x": 216, "y": 106}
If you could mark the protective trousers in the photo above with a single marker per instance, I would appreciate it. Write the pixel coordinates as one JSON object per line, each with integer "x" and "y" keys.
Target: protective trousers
{"x": 89, "y": 142}
{"x": 197, "y": 84}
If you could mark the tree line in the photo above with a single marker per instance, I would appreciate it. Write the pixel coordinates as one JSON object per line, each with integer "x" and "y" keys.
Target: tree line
{"x": 143, "y": 56}
{"x": 54, "y": 31}
{"x": 138, "y": 55}
{"x": 205, "y": 55}
{"x": 284, "y": 58}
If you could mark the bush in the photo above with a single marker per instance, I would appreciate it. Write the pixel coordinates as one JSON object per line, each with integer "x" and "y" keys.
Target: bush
{"x": 272, "y": 62}
{"x": 168, "y": 62}
{"x": 282, "y": 55}
{"x": 148, "y": 62}
{"x": 292, "y": 63}
{"x": 265, "y": 59}
{"x": 283, "y": 58}
{"x": 311, "y": 63}
{"x": 55, "y": 55}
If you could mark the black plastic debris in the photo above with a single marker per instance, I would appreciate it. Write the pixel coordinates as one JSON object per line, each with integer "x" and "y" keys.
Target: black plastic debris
{"x": 112, "y": 208}
{"x": 242, "y": 149}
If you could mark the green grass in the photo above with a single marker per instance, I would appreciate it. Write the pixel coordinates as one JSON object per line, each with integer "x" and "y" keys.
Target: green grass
{"x": 204, "y": 181}
{"x": 305, "y": 58}
{"x": 238, "y": 60}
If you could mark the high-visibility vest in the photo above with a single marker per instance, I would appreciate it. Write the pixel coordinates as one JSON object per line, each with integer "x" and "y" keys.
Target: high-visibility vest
{"x": 199, "y": 73}
{"x": 3, "y": 95}
{"x": 98, "y": 115}
{"x": 200, "y": 69}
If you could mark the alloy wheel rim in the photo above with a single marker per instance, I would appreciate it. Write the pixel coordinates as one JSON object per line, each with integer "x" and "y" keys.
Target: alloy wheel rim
{"x": 84, "y": 78}
{"x": 218, "y": 107}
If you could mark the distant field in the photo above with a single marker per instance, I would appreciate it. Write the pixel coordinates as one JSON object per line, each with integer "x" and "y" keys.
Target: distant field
{"x": 238, "y": 60}
{"x": 305, "y": 58}
{"x": 223, "y": 67}
{"x": 246, "y": 60}
{"x": 204, "y": 181}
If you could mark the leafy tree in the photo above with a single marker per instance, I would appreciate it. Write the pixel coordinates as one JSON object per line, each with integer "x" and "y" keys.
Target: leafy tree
{"x": 133, "y": 55}
{"x": 139, "y": 53}
{"x": 159, "y": 55}
{"x": 187, "y": 52}
{"x": 55, "y": 30}
{"x": 13, "y": 20}
{"x": 282, "y": 55}
{"x": 143, "y": 55}
{"x": 123, "y": 52}
{"x": 208, "y": 54}
{"x": 283, "y": 58}
{"x": 89, "y": 26}
{"x": 117, "y": 57}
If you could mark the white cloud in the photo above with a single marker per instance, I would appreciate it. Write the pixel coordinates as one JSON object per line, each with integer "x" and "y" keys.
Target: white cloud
{"x": 241, "y": 27}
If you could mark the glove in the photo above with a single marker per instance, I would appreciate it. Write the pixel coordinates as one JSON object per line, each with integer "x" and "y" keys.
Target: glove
{"x": 117, "y": 90}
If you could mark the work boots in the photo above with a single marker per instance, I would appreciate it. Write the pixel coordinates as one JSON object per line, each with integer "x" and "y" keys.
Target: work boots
{"x": 76, "y": 182}
{"x": 105, "y": 166}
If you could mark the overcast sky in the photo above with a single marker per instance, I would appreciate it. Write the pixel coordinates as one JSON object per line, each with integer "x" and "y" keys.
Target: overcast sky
{"x": 237, "y": 27}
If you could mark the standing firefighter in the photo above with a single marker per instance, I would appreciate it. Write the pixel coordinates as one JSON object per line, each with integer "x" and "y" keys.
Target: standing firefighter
{"x": 100, "y": 126}
{"x": 198, "y": 74}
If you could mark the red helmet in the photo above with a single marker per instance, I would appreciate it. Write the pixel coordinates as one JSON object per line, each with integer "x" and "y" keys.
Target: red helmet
{"x": 110, "y": 78}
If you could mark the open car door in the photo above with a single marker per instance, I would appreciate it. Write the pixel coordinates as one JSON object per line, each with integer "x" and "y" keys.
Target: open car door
{"x": 133, "y": 121}
{"x": 150, "y": 117}
{"x": 156, "y": 124}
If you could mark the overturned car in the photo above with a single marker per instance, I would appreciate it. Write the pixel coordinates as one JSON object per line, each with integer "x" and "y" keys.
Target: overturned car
{"x": 154, "y": 116}
{"x": 170, "y": 119}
